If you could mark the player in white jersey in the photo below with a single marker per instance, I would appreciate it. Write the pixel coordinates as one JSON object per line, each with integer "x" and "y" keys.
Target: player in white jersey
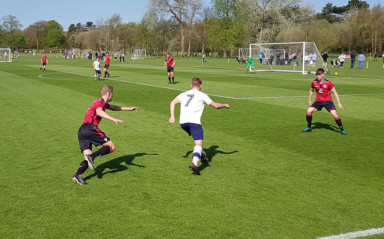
{"x": 96, "y": 67}
{"x": 192, "y": 104}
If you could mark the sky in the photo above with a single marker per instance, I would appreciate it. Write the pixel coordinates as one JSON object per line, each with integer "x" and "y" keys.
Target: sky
{"x": 67, "y": 12}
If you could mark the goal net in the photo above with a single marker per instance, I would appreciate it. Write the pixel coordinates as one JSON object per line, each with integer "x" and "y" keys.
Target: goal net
{"x": 139, "y": 54}
{"x": 5, "y": 55}
{"x": 302, "y": 57}
{"x": 76, "y": 53}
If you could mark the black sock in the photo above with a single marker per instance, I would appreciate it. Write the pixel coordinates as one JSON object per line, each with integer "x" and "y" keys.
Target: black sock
{"x": 103, "y": 151}
{"x": 338, "y": 122}
{"x": 169, "y": 79}
{"x": 309, "y": 120}
{"x": 173, "y": 79}
{"x": 82, "y": 168}
{"x": 105, "y": 74}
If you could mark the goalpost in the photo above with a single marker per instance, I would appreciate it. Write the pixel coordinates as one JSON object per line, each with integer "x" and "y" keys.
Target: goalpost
{"x": 5, "y": 55}
{"x": 301, "y": 57}
{"x": 139, "y": 53}
{"x": 76, "y": 53}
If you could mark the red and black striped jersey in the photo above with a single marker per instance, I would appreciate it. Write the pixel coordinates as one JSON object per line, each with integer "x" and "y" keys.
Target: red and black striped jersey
{"x": 91, "y": 117}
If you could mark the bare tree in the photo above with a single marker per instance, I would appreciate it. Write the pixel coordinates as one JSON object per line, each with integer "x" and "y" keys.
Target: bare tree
{"x": 179, "y": 10}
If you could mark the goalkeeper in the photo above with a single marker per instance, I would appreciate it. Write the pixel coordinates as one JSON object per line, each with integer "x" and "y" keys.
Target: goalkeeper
{"x": 250, "y": 64}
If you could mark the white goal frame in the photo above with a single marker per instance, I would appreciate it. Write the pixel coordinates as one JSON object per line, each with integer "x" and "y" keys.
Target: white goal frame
{"x": 8, "y": 58}
{"x": 139, "y": 53}
{"x": 263, "y": 46}
{"x": 76, "y": 52}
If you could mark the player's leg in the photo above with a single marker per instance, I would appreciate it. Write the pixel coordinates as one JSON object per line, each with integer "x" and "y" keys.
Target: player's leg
{"x": 41, "y": 67}
{"x": 173, "y": 76}
{"x": 107, "y": 148}
{"x": 169, "y": 76}
{"x": 338, "y": 121}
{"x": 310, "y": 111}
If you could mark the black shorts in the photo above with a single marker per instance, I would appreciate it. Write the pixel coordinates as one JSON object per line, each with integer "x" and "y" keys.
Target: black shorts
{"x": 329, "y": 105}
{"x": 90, "y": 134}
{"x": 106, "y": 66}
{"x": 170, "y": 69}
{"x": 44, "y": 64}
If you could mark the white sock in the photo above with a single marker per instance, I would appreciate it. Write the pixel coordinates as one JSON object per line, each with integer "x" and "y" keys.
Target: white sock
{"x": 196, "y": 154}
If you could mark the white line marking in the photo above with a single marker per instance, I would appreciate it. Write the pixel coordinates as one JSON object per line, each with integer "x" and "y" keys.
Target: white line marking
{"x": 370, "y": 232}
{"x": 221, "y": 96}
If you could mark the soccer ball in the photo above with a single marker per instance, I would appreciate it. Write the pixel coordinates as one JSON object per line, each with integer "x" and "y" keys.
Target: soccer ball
{"x": 336, "y": 74}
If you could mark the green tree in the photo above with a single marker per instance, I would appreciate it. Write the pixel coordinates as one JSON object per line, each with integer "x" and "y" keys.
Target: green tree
{"x": 54, "y": 38}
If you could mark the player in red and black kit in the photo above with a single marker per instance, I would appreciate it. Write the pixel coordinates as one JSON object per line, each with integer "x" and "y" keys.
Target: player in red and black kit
{"x": 323, "y": 89}
{"x": 106, "y": 66}
{"x": 89, "y": 132}
{"x": 170, "y": 63}
{"x": 44, "y": 61}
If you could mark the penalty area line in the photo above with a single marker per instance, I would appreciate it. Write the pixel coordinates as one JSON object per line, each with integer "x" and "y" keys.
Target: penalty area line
{"x": 220, "y": 96}
{"x": 357, "y": 234}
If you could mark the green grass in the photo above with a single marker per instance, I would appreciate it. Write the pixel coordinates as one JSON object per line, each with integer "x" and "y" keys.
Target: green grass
{"x": 266, "y": 179}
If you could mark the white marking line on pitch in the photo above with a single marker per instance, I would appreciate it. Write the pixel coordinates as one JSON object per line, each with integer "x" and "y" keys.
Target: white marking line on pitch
{"x": 370, "y": 232}
{"x": 221, "y": 96}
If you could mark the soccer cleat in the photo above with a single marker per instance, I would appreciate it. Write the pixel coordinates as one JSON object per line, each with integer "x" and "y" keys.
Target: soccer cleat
{"x": 89, "y": 159}
{"x": 343, "y": 132}
{"x": 307, "y": 129}
{"x": 205, "y": 159}
{"x": 194, "y": 169}
{"x": 79, "y": 180}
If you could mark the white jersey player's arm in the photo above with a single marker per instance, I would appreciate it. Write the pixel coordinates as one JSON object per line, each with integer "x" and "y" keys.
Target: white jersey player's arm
{"x": 172, "y": 108}
{"x": 218, "y": 105}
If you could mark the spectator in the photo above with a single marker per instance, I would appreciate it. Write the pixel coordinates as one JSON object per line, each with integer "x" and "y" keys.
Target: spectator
{"x": 325, "y": 59}
{"x": 278, "y": 58}
{"x": 361, "y": 61}
{"x": 383, "y": 61}
{"x": 261, "y": 57}
{"x": 375, "y": 56}
{"x": 342, "y": 59}
{"x": 353, "y": 60}
{"x": 263, "y": 61}
{"x": 271, "y": 57}
{"x": 314, "y": 59}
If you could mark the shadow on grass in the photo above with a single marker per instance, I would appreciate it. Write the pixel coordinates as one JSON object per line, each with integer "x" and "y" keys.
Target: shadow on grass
{"x": 116, "y": 165}
{"x": 211, "y": 153}
{"x": 318, "y": 125}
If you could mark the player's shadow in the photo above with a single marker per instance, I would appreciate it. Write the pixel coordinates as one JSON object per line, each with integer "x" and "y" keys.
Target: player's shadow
{"x": 319, "y": 125}
{"x": 211, "y": 153}
{"x": 176, "y": 82}
{"x": 116, "y": 165}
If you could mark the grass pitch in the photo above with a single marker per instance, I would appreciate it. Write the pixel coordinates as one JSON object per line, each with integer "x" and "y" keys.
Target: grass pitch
{"x": 266, "y": 178}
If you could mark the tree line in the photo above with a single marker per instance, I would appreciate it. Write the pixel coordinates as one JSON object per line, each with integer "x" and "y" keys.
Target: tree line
{"x": 187, "y": 27}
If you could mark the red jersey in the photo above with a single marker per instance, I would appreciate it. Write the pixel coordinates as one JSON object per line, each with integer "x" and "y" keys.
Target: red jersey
{"x": 44, "y": 59}
{"x": 169, "y": 61}
{"x": 91, "y": 117}
{"x": 323, "y": 91}
{"x": 107, "y": 60}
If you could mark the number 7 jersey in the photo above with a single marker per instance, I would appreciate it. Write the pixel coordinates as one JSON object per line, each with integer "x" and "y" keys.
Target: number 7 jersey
{"x": 192, "y": 104}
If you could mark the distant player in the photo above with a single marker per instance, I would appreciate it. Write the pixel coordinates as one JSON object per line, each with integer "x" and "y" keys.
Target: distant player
{"x": 323, "y": 89}
{"x": 89, "y": 132}
{"x": 191, "y": 108}
{"x": 44, "y": 61}
{"x": 170, "y": 63}
{"x": 96, "y": 67}
{"x": 250, "y": 64}
{"x": 106, "y": 66}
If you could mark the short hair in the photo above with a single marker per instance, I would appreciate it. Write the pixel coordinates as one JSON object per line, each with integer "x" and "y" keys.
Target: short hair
{"x": 168, "y": 53}
{"x": 319, "y": 71}
{"x": 105, "y": 89}
{"x": 196, "y": 81}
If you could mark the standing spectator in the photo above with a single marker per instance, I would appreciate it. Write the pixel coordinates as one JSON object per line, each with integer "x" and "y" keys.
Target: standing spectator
{"x": 289, "y": 59}
{"x": 353, "y": 60}
{"x": 325, "y": 59}
{"x": 270, "y": 61}
{"x": 120, "y": 57}
{"x": 342, "y": 59}
{"x": 361, "y": 61}
{"x": 203, "y": 56}
{"x": 123, "y": 57}
{"x": 383, "y": 61}
{"x": 261, "y": 57}
{"x": 314, "y": 59}
{"x": 375, "y": 56}
{"x": 115, "y": 56}
{"x": 294, "y": 57}
{"x": 278, "y": 58}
